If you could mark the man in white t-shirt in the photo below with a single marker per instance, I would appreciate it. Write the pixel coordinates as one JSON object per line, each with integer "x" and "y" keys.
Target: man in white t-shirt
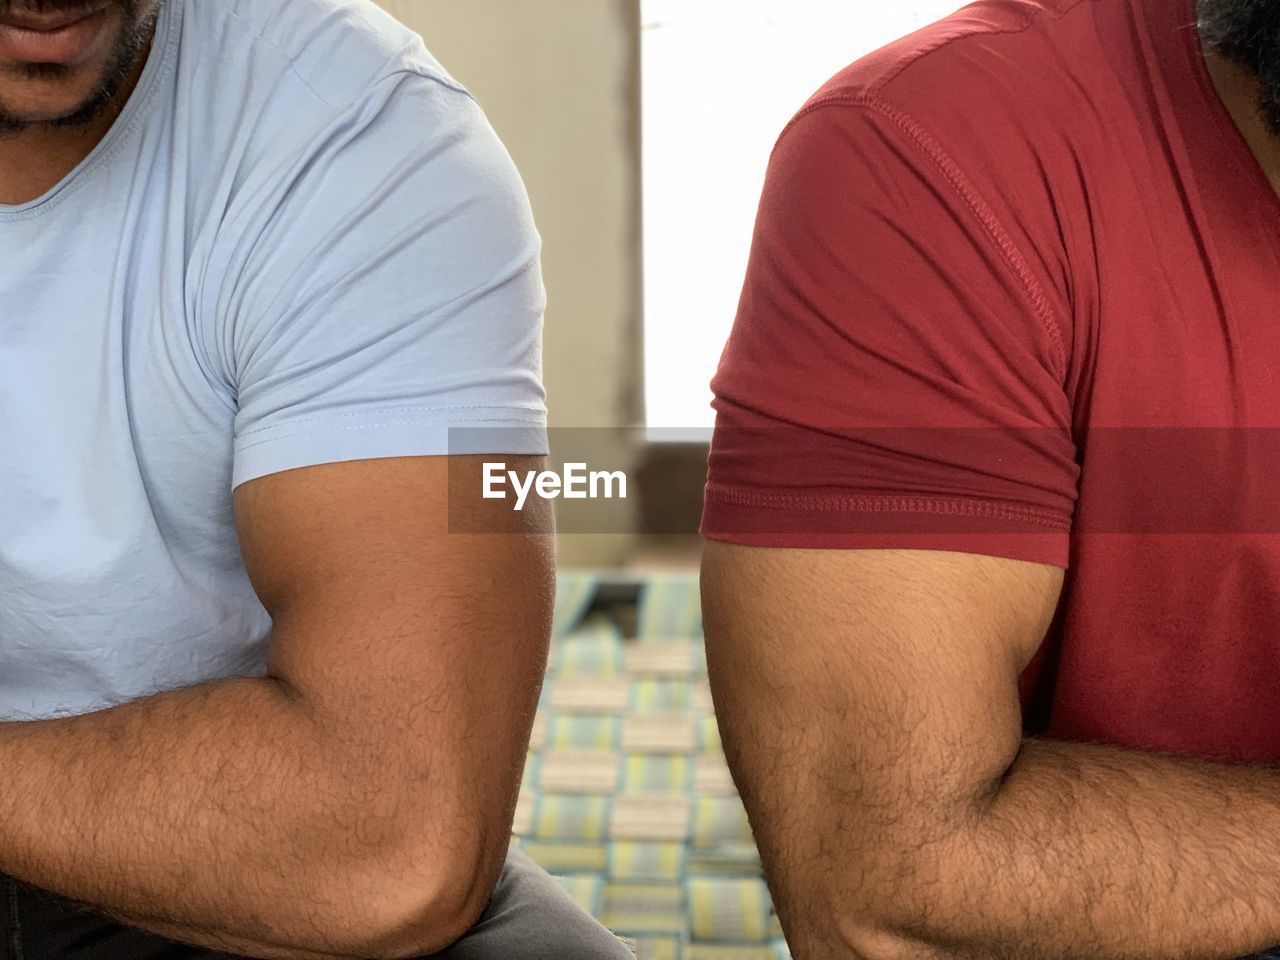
{"x": 260, "y": 694}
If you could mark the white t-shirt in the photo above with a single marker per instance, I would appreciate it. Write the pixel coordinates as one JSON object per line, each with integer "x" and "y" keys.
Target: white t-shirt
{"x": 301, "y": 242}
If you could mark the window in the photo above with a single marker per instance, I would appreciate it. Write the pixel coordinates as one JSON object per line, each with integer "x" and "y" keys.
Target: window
{"x": 720, "y": 80}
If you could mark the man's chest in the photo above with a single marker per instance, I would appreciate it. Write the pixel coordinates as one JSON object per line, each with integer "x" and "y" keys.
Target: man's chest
{"x": 109, "y": 414}
{"x": 120, "y": 568}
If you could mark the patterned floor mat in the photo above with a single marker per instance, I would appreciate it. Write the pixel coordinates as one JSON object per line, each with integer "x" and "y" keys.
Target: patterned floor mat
{"x": 626, "y": 797}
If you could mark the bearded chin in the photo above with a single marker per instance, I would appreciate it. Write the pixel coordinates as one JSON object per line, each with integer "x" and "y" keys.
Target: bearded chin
{"x": 1247, "y": 32}
{"x": 45, "y": 6}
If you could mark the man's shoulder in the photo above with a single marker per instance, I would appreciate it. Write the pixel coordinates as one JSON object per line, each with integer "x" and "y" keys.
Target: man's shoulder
{"x": 274, "y": 91}
{"x": 296, "y": 120}
{"x": 992, "y": 69}
{"x": 335, "y": 51}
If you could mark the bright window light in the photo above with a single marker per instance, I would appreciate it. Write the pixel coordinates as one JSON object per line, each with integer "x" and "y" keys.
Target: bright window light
{"x": 720, "y": 80}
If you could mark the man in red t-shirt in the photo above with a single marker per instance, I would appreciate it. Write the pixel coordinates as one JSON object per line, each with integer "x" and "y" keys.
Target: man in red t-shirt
{"x": 992, "y": 590}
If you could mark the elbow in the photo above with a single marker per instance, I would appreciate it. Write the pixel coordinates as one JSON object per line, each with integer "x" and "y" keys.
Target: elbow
{"x": 905, "y": 905}
{"x": 412, "y": 916}
{"x": 849, "y": 926}
{"x": 423, "y": 929}
{"x": 912, "y": 905}
{"x": 901, "y": 911}
{"x": 868, "y": 941}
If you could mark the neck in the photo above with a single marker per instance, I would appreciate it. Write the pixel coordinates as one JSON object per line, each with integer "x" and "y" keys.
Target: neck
{"x": 1238, "y": 90}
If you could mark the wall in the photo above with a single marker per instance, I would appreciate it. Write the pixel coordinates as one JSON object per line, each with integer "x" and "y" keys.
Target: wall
{"x": 559, "y": 81}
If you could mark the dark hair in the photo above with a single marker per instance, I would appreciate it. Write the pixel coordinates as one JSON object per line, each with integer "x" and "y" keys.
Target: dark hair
{"x": 1247, "y": 32}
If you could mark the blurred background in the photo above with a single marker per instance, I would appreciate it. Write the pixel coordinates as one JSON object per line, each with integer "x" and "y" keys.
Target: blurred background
{"x": 642, "y": 129}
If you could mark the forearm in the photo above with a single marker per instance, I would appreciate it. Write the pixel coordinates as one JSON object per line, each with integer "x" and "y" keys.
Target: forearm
{"x": 1090, "y": 852}
{"x": 223, "y": 815}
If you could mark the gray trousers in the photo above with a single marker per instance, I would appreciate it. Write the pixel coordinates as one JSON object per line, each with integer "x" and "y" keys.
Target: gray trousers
{"x": 529, "y": 917}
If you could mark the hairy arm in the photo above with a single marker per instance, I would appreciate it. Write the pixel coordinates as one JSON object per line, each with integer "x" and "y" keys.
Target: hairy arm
{"x": 356, "y": 801}
{"x": 868, "y": 701}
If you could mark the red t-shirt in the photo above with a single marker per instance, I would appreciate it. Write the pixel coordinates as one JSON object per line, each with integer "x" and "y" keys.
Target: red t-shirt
{"x": 1015, "y": 290}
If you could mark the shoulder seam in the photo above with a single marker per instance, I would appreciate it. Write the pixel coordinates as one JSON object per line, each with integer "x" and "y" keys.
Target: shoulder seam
{"x": 967, "y": 192}
{"x": 1032, "y": 17}
{"x": 386, "y": 71}
{"x": 416, "y": 70}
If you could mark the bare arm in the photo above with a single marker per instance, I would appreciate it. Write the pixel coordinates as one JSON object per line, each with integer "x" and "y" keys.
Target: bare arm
{"x": 357, "y": 802}
{"x": 868, "y": 701}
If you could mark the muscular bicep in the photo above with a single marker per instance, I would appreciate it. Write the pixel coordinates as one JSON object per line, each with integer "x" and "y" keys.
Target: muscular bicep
{"x": 411, "y": 618}
{"x": 868, "y": 701}
{"x": 394, "y": 575}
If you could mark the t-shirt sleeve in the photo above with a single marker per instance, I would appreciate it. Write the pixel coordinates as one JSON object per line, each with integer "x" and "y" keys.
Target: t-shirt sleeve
{"x": 894, "y": 377}
{"x": 393, "y": 293}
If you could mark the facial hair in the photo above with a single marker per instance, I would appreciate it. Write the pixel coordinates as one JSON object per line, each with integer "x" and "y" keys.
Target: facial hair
{"x": 1247, "y": 32}
{"x": 128, "y": 47}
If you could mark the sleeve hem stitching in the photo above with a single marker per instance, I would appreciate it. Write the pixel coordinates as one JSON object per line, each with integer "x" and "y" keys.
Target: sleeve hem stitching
{"x": 535, "y": 414}
{"x": 865, "y": 504}
{"x": 478, "y": 421}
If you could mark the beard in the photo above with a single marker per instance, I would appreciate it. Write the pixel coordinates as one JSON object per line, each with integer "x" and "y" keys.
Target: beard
{"x": 139, "y": 19}
{"x": 1247, "y": 32}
